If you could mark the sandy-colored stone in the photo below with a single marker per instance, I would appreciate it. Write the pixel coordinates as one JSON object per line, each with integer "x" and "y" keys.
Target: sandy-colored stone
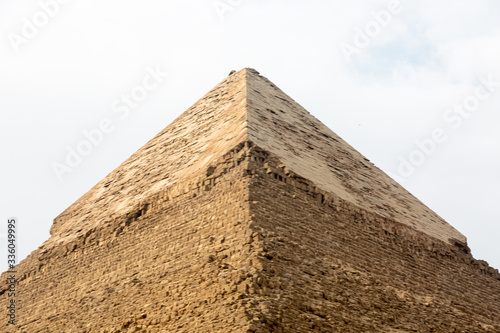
{"x": 279, "y": 125}
{"x": 246, "y": 214}
{"x": 248, "y": 107}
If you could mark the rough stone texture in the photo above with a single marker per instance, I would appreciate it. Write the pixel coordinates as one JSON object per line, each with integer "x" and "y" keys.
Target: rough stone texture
{"x": 334, "y": 267}
{"x": 246, "y": 214}
{"x": 206, "y": 131}
{"x": 279, "y": 125}
{"x": 248, "y": 107}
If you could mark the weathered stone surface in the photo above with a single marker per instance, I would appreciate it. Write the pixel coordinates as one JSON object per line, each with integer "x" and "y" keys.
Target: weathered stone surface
{"x": 246, "y": 214}
{"x": 307, "y": 147}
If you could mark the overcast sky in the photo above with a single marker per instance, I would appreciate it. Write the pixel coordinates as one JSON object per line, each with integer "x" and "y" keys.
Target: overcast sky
{"x": 412, "y": 85}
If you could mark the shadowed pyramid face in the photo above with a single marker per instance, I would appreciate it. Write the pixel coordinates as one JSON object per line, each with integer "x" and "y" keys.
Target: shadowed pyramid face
{"x": 248, "y": 107}
{"x": 246, "y": 214}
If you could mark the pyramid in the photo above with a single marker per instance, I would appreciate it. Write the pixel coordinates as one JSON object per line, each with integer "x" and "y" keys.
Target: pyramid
{"x": 247, "y": 214}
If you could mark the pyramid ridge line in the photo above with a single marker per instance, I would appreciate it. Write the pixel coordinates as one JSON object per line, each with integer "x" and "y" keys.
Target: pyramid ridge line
{"x": 273, "y": 167}
{"x": 205, "y": 179}
{"x": 280, "y": 125}
{"x": 223, "y": 102}
{"x": 247, "y": 106}
{"x": 248, "y": 214}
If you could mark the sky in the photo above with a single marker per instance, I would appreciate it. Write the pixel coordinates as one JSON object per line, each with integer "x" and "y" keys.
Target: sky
{"x": 412, "y": 85}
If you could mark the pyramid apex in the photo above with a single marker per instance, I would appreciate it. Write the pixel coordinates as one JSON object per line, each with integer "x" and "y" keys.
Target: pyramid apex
{"x": 246, "y": 69}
